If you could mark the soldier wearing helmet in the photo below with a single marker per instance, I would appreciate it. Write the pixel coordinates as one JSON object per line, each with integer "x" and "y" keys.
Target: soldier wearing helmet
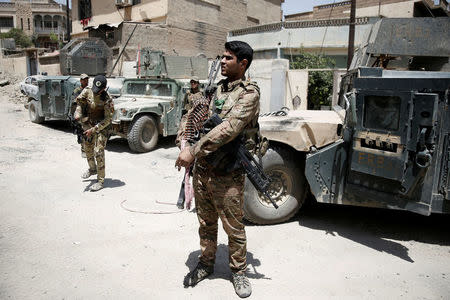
{"x": 94, "y": 110}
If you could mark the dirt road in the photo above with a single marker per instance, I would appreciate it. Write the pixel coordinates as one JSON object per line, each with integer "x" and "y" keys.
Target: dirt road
{"x": 60, "y": 241}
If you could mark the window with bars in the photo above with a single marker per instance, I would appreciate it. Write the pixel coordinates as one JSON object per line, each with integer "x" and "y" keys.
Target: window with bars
{"x": 84, "y": 9}
{"x": 6, "y": 22}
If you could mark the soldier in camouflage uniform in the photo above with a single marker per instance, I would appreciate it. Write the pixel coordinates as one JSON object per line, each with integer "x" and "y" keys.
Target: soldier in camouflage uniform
{"x": 193, "y": 94}
{"x": 84, "y": 80}
{"x": 95, "y": 109}
{"x": 218, "y": 191}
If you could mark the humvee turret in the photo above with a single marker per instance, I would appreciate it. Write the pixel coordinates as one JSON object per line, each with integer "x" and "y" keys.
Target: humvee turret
{"x": 387, "y": 142}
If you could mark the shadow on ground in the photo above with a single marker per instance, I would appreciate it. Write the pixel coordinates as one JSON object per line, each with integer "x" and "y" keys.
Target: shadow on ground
{"x": 117, "y": 144}
{"x": 61, "y": 125}
{"x": 120, "y": 145}
{"x": 109, "y": 183}
{"x": 221, "y": 267}
{"x": 378, "y": 229}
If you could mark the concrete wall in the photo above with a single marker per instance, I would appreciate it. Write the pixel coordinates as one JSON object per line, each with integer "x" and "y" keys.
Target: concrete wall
{"x": 390, "y": 10}
{"x": 297, "y": 85}
{"x": 332, "y": 39}
{"x": 266, "y": 11}
{"x": 107, "y": 12}
{"x": 278, "y": 85}
{"x": 16, "y": 66}
{"x": 364, "y": 8}
{"x": 51, "y": 69}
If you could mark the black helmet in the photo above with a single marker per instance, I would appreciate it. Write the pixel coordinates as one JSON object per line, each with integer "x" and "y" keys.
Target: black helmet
{"x": 99, "y": 83}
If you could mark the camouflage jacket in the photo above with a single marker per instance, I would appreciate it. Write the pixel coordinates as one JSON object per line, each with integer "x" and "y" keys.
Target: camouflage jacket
{"x": 94, "y": 110}
{"x": 75, "y": 94}
{"x": 190, "y": 97}
{"x": 237, "y": 103}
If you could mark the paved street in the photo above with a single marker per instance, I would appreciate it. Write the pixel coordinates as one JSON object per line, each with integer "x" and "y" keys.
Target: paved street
{"x": 60, "y": 241}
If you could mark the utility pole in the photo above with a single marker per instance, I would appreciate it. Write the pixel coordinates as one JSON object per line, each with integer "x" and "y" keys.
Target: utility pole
{"x": 68, "y": 20}
{"x": 351, "y": 34}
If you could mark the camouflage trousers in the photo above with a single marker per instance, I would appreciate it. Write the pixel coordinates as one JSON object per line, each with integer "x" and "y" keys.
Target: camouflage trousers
{"x": 221, "y": 196}
{"x": 95, "y": 154}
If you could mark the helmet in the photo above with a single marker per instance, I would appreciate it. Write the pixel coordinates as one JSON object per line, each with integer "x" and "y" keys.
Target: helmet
{"x": 99, "y": 83}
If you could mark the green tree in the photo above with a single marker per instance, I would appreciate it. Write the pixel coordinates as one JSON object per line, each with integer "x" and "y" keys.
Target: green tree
{"x": 320, "y": 83}
{"x": 21, "y": 39}
{"x": 53, "y": 37}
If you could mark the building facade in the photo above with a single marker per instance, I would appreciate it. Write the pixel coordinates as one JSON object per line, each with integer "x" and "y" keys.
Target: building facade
{"x": 37, "y": 18}
{"x": 325, "y": 29}
{"x": 375, "y": 8}
{"x": 178, "y": 27}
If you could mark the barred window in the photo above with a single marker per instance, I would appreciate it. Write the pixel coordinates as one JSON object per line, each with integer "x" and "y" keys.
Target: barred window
{"x": 6, "y": 22}
{"x": 84, "y": 9}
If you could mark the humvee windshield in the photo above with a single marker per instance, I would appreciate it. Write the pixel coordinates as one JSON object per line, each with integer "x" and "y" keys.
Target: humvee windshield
{"x": 382, "y": 112}
{"x": 149, "y": 89}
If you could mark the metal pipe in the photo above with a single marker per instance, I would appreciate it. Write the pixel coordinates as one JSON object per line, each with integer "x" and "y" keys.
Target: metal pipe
{"x": 67, "y": 21}
{"x": 120, "y": 54}
{"x": 351, "y": 34}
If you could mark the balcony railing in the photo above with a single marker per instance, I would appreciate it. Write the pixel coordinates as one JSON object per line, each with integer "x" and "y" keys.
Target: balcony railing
{"x": 41, "y": 30}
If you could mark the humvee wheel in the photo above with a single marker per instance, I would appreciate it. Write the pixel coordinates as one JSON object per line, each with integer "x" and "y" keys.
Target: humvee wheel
{"x": 288, "y": 189}
{"x": 33, "y": 113}
{"x": 143, "y": 134}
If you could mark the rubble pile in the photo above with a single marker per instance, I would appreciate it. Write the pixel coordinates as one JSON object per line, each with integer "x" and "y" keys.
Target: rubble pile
{"x": 11, "y": 88}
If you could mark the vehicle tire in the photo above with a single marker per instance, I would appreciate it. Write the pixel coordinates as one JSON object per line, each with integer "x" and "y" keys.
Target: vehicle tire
{"x": 288, "y": 188}
{"x": 143, "y": 134}
{"x": 33, "y": 112}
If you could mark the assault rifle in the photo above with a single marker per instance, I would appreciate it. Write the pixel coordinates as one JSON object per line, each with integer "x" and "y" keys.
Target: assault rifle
{"x": 77, "y": 129}
{"x": 243, "y": 158}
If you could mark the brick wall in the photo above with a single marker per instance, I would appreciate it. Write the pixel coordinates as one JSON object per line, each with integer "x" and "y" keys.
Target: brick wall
{"x": 201, "y": 26}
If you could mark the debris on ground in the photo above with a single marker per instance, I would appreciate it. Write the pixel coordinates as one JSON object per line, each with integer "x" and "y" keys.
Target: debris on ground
{"x": 12, "y": 88}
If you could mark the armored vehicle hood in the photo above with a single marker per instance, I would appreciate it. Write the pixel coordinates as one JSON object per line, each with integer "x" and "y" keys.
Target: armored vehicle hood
{"x": 302, "y": 129}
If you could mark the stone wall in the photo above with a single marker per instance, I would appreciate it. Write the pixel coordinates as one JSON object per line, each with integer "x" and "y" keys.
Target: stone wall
{"x": 24, "y": 17}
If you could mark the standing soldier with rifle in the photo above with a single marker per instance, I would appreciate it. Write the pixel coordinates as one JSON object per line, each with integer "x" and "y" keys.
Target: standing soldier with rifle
{"x": 95, "y": 109}
{"x": 218, "y": 191}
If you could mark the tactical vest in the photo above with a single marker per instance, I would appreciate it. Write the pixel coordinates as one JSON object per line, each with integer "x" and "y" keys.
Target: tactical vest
{"x": 96, "y": 112}
{"x": 222, "y": 104}
{"x": 250, "y": 133}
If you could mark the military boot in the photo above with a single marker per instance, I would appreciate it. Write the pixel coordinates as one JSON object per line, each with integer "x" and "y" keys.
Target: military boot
{"x": 198, "y": 274}
{"x": 88, "y": 174}
{"x": 97, "y": 186}
{"x": 242, "y": 285}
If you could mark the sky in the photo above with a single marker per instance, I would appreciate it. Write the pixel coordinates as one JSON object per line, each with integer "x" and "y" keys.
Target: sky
{"x": 297, "y": 6}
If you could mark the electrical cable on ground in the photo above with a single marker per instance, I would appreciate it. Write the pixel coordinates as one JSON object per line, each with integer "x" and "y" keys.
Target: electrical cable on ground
{"x": 151, "y": 212}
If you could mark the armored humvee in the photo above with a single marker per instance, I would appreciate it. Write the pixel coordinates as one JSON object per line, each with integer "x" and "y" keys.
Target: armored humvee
{"x": 387, "y": 142}
{"x": 152, "y": 105}
{"x": 146, "y": 109}
{"x": 54, "y": 96}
